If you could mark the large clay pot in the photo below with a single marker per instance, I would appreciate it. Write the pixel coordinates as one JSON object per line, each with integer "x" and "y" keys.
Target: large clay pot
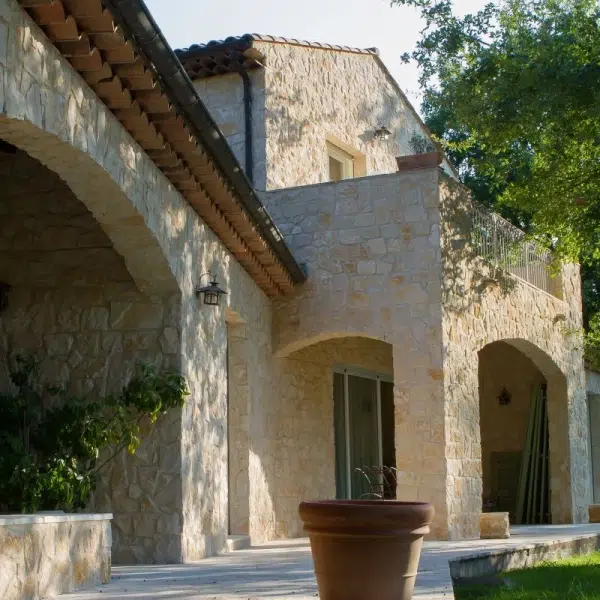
{"x": 366, "y": 549}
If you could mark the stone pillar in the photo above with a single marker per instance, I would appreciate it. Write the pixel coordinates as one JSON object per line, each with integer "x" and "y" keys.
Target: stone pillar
{"x": 420, "y": 430}
{"x": 463, "y": 447}
{"x": 238, "y": 443}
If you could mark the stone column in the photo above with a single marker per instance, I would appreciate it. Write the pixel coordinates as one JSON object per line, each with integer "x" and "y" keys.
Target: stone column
{"x": 419, "y": 429}
{"x": 238, "y": 442}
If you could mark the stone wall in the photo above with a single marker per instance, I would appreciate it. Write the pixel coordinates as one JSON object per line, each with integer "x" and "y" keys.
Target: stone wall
{"x": 315, "y": 93}
{"x": 305, "y": 97}
{"x": 170, "y": 500}
{"x": 371, "y": 247}
{"x": 42, "y": 556}
{"x": 301, "y": 426}
{"x": 224, "y": 98}
{"x": 537, "y": 324}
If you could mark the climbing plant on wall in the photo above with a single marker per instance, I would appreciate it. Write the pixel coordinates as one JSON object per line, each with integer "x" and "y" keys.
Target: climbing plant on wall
{"x": 51, "y": 441}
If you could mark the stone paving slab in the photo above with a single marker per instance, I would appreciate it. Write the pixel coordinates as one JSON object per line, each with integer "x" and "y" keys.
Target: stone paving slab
{"x": 283, "y": 570}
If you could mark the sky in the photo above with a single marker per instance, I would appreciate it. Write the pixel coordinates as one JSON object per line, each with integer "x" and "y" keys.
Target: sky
{"x": 360, "y": 23}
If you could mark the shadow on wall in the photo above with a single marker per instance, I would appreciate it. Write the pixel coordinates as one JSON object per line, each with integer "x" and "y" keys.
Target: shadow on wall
{"x": 466, "y": 275}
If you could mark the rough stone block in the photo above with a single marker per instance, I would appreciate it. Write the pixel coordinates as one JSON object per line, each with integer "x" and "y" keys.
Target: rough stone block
{"x": 594, "y": 513}
{"x": 494, "y": 525}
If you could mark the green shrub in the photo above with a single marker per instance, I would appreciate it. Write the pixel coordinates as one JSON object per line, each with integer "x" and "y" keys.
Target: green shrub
{"x": 50, "y": 440}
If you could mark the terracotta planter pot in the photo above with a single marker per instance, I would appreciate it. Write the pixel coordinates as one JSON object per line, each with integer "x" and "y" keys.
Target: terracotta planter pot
{"x": 366, "y": 549}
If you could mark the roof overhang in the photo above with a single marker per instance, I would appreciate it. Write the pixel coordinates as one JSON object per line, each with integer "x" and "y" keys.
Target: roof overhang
{"x": 119, "y": 50}
{"x": 231, "y": 55}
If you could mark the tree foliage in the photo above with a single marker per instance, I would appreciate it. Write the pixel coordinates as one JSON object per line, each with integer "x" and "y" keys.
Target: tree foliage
{"x": 50, "y": 441}
{"x": 514, "y": 90}
{"x": 513, "y": 94}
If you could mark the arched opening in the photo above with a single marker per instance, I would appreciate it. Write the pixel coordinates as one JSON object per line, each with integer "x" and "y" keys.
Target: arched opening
{"x": 523, "y": 404}
{"x": 74, "y": 305}
{"x": 332, "y": 424}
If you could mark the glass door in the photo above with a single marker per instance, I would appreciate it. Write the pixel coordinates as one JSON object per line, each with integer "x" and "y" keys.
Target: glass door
{"x": 358, "y": 428}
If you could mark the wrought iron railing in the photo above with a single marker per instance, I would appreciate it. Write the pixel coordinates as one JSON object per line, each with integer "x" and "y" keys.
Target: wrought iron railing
{"x": 506, "y": 247}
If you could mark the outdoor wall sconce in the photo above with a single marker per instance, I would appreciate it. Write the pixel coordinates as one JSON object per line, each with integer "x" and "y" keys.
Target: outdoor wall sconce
{"x": 4, "y": 289}
{"x": 382, "y": 133}
{"x": 212, "y": 292}
{"x": 504, "y": 398}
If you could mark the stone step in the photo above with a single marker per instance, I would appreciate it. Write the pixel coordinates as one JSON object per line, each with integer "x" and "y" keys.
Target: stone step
{"x": 237, "y": 542}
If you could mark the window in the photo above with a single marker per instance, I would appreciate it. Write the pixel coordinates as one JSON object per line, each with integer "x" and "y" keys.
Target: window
{"x": 341, "y": 163}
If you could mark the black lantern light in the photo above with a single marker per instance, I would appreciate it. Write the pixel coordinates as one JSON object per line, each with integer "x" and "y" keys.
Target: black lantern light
{"x": 212, "y": 292}
{"x": 504, "y": 397}
{"x": 382, "y": 133}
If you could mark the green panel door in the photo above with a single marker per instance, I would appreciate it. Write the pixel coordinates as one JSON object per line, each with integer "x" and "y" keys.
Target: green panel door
{"x": 364, "y": 431}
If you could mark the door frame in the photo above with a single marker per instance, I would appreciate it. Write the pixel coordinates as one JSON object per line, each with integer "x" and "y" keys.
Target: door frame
{"x": 373, "y": 376}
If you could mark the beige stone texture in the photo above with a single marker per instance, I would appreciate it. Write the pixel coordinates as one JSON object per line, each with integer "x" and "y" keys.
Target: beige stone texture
{"x": 170, "y": 499}
{"x": 224, "y": 98}
{"x": 42, "y": 557}
{"x": 372, "y": 249}
{"x": 494, "y": 526}
{"x": 300, "y": 425}
{"x": 541, "y": 327}
{"x": 594, "y": 513}
{"x": 109, "y": 277}
{"x": 294, "y": 117}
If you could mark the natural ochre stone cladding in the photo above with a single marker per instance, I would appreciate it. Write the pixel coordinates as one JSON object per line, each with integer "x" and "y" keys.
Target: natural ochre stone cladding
{"x": 170, "y": 500}
{"x": 495, "y": 525}
{"x": 301, "y": 426}
{"x": 293, "y": 117}
{"x": 537, "y": 324}
{"x": 44, "y": 556}
{"x": 372, "y": 250}
{"x": 224, "y": 98}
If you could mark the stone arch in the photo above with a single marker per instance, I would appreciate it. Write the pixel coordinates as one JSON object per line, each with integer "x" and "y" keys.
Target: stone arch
{"x": 544, "y": 370}
{"x": 317, "y": 338}
{"x": 108, "y": 188}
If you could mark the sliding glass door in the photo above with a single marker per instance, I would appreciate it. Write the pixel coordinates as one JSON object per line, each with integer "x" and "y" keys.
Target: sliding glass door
{"x": 361, "y": 435}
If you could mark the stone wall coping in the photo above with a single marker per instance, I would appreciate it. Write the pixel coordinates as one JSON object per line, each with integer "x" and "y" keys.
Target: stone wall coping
{"x": 40, "y": 518}
{"x": 370, "y": 178}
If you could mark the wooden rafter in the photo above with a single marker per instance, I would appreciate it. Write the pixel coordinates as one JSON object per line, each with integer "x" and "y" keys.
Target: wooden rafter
{"x": 87, "y": 36}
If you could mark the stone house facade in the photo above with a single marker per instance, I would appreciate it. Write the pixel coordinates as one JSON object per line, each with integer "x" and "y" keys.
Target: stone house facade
{"x": 362, "y": 324}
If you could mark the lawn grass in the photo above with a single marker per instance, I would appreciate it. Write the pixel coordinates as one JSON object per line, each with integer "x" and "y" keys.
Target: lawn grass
{"x": 576, "y": 578}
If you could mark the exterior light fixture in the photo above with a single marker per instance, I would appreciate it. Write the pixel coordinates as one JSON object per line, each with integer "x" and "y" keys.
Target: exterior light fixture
{"x": 382, "y": 133}
{"x": 212, "y": 292}
{"x": 504, "y": 398}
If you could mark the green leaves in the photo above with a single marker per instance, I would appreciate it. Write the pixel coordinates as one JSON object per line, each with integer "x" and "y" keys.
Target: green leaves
{"x": 50, "y": 441}
{"x": 512, "y": 93}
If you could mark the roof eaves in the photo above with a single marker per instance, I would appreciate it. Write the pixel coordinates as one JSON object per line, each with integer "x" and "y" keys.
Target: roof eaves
{"x": 247, "y": 39}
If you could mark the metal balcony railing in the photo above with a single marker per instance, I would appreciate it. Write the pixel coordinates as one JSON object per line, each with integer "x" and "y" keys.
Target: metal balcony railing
{"x": 506, "y": 247}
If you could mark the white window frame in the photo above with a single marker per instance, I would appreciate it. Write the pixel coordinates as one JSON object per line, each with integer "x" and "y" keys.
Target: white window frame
{"x": 346, "y": 159}
{"x": 374, "y": 376}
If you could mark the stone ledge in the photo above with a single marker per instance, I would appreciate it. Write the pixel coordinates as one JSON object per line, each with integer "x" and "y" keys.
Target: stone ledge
{"x": 52, "y": 518}
{"x": 509, "y": 559}
{"x": 45, "y": 555}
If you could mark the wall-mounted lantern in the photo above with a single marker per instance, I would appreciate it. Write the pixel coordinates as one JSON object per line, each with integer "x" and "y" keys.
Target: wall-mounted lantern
{"x": 382, "y": 133}
{"x": 212, "y": 292}
{"x": 4, "y": 289}
{"x": 504, "y": 397}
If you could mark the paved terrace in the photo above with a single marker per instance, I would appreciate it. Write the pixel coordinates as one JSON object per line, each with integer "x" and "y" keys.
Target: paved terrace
{"x": 283, "y": 570}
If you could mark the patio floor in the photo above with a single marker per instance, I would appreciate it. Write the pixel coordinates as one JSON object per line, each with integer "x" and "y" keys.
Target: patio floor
{"x": 283, "y": 570}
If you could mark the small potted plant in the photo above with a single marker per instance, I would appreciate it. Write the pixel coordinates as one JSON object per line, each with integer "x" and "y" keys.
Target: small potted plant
{"x": 366, "y": 549}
